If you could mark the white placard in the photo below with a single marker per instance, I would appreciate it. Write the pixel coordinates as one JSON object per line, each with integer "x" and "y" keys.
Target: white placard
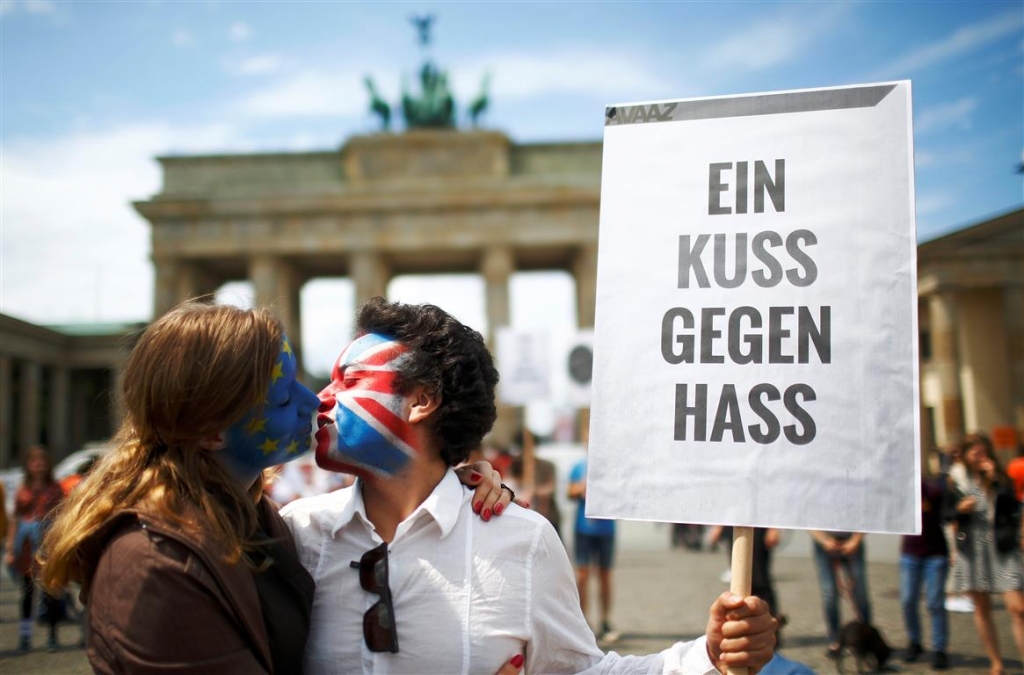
{"x": 523, "y": 367}
{"x": 756, "y": 334}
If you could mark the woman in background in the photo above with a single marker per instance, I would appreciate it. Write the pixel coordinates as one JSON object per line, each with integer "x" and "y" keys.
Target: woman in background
{"x": 36, "y": 498}
{"x": 988, "y": 540}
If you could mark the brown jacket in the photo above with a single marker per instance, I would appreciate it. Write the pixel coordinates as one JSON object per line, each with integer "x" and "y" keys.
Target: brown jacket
{"x": 160, "y": 600}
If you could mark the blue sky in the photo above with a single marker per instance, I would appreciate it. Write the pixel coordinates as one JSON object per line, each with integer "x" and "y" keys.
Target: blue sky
{"x": 90, "y": 92}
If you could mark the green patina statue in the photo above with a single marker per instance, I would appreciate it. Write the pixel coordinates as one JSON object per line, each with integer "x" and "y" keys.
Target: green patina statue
{"x": 434, "y": 107}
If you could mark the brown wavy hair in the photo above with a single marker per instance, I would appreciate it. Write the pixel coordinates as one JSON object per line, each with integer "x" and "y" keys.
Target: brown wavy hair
{"x": 192, "y": 374}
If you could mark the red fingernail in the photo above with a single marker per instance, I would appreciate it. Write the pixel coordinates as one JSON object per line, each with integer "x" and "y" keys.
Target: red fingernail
{"x": 476, "y": 507}
{"x": 475, "y": 476}
{"x": 517, "y": 661}
{"x": 526, "y": 504}
{"x": 498, "y": 508}
{"x": 486, "y": 515}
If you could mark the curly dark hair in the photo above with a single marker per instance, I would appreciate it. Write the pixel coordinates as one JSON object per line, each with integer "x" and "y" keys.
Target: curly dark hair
{"x": 447, "y": 355}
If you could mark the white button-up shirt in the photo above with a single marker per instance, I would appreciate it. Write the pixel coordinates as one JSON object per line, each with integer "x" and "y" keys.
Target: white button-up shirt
{"x": 468, "y": 594}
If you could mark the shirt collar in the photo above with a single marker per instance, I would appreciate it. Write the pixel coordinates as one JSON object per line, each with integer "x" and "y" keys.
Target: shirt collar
{"x": 352, "y": 507}
{"x": 445, "y": 502}
{"x": 443, "y": 505}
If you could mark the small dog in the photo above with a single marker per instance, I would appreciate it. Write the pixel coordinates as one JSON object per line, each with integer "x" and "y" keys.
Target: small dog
{"x": 866, "y": 645}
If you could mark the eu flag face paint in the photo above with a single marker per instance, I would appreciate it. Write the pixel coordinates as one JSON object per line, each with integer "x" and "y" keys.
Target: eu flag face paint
{"x": 277, "y": 430}
{"x": 364, "y": 423}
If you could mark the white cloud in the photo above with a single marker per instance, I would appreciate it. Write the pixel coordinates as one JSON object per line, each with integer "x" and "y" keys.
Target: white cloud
{"x": 933, "y": 202}
{"x": 182, "y": 39}
{"x": 265, "y": 64}
{"x": 40, "y": 6}
{"x": 575, "y": 70}
{"x": 964, "y": 40}
{"x": 309, "y": 93}
{"x": 73, "y": 248}
{"x": 768, "y": 43}
{"x": 29, "y": 6}
{"x": 956, "y": 114}
{"x": 240, "y": 31}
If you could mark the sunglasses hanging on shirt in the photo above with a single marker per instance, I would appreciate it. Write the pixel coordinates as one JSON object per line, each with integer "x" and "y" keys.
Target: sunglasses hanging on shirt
{"x": 379, "y": 621}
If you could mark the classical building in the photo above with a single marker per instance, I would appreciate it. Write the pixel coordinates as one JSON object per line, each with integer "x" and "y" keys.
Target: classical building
{"x": 971, "y": 316}
{"x": 57, "y": 384}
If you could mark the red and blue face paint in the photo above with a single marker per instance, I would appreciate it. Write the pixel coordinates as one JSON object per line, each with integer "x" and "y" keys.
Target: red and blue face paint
{"x": 277, "y": 430}
{"x": 364, "y": 423}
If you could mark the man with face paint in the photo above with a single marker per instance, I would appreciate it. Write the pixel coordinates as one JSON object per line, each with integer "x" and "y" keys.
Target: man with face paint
{"x": 408, "y": 579}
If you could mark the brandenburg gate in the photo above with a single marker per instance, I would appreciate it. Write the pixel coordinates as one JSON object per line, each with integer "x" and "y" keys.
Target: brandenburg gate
{"x": 423, "y": 201}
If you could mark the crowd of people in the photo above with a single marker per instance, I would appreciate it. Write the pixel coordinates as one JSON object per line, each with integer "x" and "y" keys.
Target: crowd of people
{"x": 414, "y": 559}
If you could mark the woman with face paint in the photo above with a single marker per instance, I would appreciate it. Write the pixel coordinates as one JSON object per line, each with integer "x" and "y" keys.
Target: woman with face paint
{"x": 185, "y": 565}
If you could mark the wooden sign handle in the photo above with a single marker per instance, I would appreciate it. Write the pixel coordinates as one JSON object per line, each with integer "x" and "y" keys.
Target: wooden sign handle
{"x": 742, "y": 565}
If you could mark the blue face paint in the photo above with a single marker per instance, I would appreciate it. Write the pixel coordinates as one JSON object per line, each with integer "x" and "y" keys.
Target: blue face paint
{"x": 364, "y": 425}
{"x": 275, "y": 431}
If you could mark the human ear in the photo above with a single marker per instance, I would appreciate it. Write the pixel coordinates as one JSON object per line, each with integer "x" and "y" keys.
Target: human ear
{"x": 212, "y": 443}
{"x": 425, "y": 400}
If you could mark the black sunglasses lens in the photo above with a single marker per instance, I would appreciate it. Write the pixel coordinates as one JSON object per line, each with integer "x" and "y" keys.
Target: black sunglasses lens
{"x": 373, "y": 571}
{"x": 379, "y": 629}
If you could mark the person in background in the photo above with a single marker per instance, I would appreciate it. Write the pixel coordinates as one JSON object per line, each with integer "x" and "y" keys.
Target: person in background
{"x": 542, "y": 498}
{"x": 835, "y": 552}
{"x": 594, "y": 544}
{"x": 924, "y": 558}
{"x": 34, "y": 502}
{"x": 988, "y": 540}
{"x": 3, "y": 518}
{"x": 1015, "y": 471}
{"x": 185, "y": 565}
{"x": 956, "y": 479}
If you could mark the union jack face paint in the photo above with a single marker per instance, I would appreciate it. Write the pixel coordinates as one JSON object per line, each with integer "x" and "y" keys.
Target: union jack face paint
{"x": 364, "y": 423}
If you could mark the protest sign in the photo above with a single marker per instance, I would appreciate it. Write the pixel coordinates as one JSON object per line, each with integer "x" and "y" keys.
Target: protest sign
{"x": 755, "y": 354}
{"x": 578, "y": 362}
{"x": 524, "y": 368}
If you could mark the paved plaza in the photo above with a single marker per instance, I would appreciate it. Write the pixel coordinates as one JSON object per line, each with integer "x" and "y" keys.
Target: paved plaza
{"x": 662, "y": 595}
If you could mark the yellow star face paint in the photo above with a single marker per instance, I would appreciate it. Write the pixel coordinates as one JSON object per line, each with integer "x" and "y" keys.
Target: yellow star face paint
{"x": 277, "y": 430}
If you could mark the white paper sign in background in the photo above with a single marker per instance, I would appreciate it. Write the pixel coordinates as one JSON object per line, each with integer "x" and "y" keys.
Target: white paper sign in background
{"x": 756, "y": 333}
{"x": 578, "y": 364}
{"x": 523, "y": 363}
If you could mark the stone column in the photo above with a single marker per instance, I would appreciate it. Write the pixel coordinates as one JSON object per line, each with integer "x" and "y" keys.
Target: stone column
{"x": 7, "y": 458}
{"x": 194, "y": 282}
{"x": 946, "y": 364}
{"x": 29, "y": 402}
{"x": 277, "y": 285}
{"x": 1013, "y": 314}
{"x": 369, "y": 274}
{"x": 57, "y": 424}
{"x": 584, "y": 271}
{"x": 496, "y": 268}
{"x": 165, "y": 287}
